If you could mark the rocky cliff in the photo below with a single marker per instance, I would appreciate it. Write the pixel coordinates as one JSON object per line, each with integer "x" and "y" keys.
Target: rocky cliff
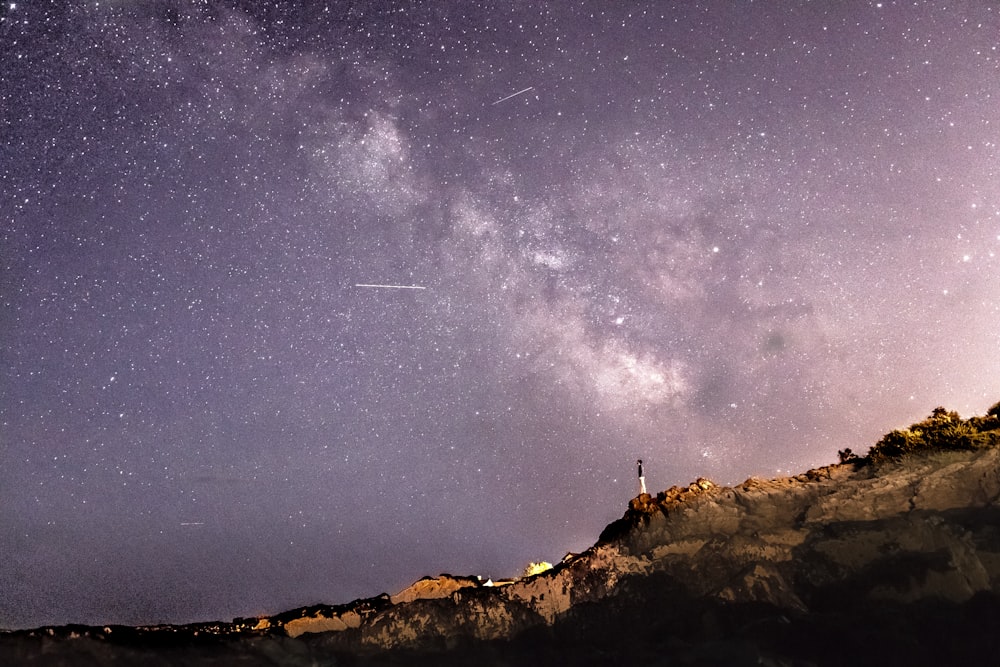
{"x": 870, "y": 561}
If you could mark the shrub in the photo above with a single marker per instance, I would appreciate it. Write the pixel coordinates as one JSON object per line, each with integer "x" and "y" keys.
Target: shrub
{"x": 896, "y": 444}
{"x": 942, "y": 430}
{"x": 846, "y": 456}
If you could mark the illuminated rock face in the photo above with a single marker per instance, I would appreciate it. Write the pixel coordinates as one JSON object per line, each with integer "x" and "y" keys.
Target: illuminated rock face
{"x": 838, "y": 537}
{"x": 906, "y": 554}
{"x": 430, "y": 588}
{"x": 782, "y": 541}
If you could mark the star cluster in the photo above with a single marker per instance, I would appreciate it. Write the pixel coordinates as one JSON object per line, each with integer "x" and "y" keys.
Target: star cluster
{"x": 729, "y": 239}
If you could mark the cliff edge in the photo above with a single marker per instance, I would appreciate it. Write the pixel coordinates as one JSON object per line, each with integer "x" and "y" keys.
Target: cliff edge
{"x": 892, "y": 557}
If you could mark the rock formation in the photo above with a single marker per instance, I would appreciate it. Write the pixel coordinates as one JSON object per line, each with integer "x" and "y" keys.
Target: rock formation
{"x": 888, "y": 562}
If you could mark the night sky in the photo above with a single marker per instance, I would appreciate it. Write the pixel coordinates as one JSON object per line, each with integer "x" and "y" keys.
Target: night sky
{"x": 727, "y": 238}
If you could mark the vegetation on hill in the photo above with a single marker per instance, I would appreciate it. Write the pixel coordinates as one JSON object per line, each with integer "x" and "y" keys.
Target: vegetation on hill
{"x": 942, "y": 430}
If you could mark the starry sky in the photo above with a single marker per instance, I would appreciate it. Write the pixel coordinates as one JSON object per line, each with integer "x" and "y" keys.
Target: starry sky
{"x": 729, "y": 238}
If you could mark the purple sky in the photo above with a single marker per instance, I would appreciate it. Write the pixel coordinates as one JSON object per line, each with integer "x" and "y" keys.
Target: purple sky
{"x": 728, "y": 238}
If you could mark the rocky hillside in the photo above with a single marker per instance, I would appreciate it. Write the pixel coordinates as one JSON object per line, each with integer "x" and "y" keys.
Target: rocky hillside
{"x": 889, "y": 559}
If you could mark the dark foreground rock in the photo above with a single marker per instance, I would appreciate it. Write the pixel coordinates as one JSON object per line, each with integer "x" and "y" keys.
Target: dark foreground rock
{"x": 859, "y": 564}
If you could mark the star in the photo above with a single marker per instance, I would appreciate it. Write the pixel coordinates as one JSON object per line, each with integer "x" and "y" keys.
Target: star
{"x": 288, "y": 285}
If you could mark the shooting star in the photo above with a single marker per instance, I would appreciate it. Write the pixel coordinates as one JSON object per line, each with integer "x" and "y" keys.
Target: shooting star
{"x": 520, "y": 92}
{"x": 390, "y": 286}
{"x": 192, "y": 523}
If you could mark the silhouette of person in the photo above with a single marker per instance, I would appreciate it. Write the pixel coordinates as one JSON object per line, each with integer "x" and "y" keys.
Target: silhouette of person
{"x": 642, "y": 480}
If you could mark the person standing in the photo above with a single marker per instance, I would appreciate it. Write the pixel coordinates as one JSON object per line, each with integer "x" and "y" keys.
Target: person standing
{"x": 642, "y": 479}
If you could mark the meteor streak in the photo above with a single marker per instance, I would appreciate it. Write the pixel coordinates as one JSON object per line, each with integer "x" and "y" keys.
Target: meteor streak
{"x": 390, "y": 286}
{"x": 520, "y": 92}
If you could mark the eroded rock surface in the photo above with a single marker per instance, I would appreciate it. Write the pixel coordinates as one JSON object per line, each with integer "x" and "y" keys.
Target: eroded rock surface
{"x": 923, "y": 529}
{"x": 751, "y": 571}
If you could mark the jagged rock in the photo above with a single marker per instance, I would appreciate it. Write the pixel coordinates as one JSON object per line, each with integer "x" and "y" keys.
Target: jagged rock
{"x": 443, "y": 623}
{"x": 692, "y": 572}
{"x": 786, "y": 543}
{"x": 641, "y": 503}
{"x": 324, "y": 618}
{"x": 429, "y": 588}
{"x": 762, "y": 582}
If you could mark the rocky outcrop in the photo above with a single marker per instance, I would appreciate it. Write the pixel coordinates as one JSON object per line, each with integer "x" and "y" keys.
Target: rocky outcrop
{"x": 322, "y": 618}
{"x": 783, "y": 541}
{"x": 432, "y": 588}
{"x": 760, "y": 569}
{"x": 836, "y": 537}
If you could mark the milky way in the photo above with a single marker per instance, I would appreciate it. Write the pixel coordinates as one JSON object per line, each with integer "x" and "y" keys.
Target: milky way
{"x": 727, "y": 238}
